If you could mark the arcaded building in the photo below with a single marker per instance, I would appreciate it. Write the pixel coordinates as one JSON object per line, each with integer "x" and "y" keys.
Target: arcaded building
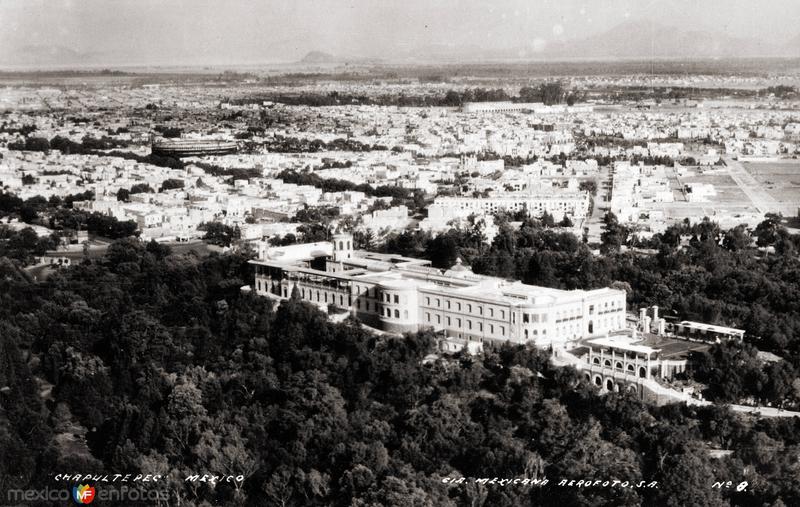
{"x": 398, "y": 294}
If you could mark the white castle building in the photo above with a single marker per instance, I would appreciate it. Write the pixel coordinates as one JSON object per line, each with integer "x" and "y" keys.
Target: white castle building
{"x": 399, "y": 294}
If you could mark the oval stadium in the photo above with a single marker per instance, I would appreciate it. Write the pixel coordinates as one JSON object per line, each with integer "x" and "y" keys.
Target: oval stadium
{"x": 192, "y": 147}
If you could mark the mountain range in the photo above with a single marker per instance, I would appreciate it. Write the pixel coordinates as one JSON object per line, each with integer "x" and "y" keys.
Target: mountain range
{"x": 631, "y": 40}
{"x": 639, "y": 39}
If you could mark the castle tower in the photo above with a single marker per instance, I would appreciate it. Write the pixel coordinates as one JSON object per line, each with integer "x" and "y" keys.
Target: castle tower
{"x": 342, "y": 247}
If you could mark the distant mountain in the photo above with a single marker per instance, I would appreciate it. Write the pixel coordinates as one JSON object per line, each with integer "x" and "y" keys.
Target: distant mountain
{"x": 319, "y": 57}
{"x": 649, "y": 39}
{"x": 631, "y": 40}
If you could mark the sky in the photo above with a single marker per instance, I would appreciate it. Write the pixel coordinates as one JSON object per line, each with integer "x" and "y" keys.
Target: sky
{"x": 270, "y": 31}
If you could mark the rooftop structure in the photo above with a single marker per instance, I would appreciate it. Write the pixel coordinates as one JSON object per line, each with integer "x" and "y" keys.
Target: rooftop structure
{"x": 707, "y": 332}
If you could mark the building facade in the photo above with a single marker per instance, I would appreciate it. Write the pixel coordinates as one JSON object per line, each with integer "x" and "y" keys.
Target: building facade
{"x": 559, "y": 205}
{"x": 400, "y": 294}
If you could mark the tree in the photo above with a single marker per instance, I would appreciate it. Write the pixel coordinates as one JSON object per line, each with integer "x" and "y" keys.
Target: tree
{"x": 171, "y": 184}
{"x": 452, "y": 99}
{"x": 220, "y": 234}
{"x": 588, "y": 186}
{"x": 443, "y": 251}
{"x": 547, "y": 220}
{"x": 140, "y": 188}
{"x": 123, "y": 194}
{"x": 767, "y": 230}
{"x": 615, "y": 235}
{"x": 684, "y": 480}
{"x": 737, "y": 239}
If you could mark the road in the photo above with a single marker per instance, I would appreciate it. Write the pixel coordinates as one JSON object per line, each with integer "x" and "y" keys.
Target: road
{"x": 760, "y": 198}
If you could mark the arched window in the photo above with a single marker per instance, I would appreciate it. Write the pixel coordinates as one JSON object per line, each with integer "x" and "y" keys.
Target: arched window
{"x": 607, "y": 363}
{"x": 397, "y": 314}
{"x": 631, "y": 369}
{"x": 642, "y": 372}
{"x": 610, "y": 385}
{"x": 596, "y": 360}
{"x": 618, "y": 365}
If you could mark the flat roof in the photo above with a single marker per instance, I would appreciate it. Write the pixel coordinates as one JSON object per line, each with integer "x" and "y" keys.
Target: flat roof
{"x": 408, "y": 271}
{"x": 622, "y": 342}
{"x": 711, "y": 327}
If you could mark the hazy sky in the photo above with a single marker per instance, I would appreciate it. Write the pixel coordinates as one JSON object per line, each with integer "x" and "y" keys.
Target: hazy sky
{"x": 239, "y": 31}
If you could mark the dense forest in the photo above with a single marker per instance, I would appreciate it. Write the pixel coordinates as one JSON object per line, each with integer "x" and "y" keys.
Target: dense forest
{"x": 166, "y": 366}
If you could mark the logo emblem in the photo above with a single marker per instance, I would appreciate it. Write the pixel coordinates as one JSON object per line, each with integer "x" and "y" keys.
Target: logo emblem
{"x": 83, "y": 494}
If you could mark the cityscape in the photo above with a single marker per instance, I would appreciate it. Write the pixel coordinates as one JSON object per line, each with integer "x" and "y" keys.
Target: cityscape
{"x": 561, "y": 273}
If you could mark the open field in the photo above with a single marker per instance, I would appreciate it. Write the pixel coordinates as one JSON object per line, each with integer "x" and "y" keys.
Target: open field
{"x": 781, "y": 180}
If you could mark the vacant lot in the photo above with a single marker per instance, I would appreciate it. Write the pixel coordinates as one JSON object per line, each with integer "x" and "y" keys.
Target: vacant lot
{"x": 781, "y": 180}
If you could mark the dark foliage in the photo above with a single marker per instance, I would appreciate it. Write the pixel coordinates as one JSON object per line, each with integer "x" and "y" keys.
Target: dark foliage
{"x": 169, "y": 367}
